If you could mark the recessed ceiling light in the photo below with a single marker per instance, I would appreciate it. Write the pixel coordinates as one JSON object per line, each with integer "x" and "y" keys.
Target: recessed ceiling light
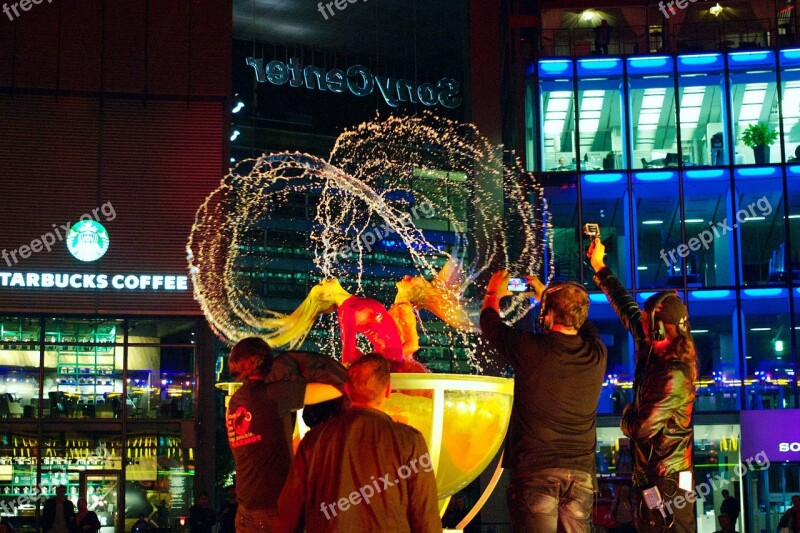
{"x": 652, "y": 222}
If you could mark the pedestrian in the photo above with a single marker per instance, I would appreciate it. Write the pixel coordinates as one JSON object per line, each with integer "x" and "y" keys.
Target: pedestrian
{"x": 58, "y": 513}
{"x": 790, "y": 521}
{"x": 729, "y": 506}
{"x": 260, "y": 431}
{"x": 726, "y": 524}
{"x": 141, "y": 525}
{"x": 659, "y": 421}
{"x": 86, "y": 521}
{"x": 362, "y": 471}
{"x": 552, "y": 437}
{"x": 227, "y": 512}
{"x": 201, "y": 516}
{"x": 602, "y": 36}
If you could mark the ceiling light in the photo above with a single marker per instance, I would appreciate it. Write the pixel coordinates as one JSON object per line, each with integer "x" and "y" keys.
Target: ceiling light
{"x": 652, "y": 222}
{"x": 694, "y": 220}
{"x": 235, "y": 134}
{"x": 588, "y": 16}
{"x": 238, "y": 107}
{"x": 760, "y": 329}
{"x": 716, "y": 10}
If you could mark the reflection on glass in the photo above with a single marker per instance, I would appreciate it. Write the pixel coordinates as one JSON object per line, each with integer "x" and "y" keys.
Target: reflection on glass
{"x": 18, "y": 474}
{"x": 713, "y": 320}
{"x": 770, "y": 371}
{"x": 790, "y": 107}
{"x": 658, "y": 231}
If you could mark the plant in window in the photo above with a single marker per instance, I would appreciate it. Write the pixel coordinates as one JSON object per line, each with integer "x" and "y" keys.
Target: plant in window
{"x": 760, "y": 137}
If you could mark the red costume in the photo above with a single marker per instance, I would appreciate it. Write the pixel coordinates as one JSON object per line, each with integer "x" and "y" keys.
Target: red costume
{"x": 370, "y": 318}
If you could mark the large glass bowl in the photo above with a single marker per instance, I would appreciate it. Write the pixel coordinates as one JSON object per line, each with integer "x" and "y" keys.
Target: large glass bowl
{"x": 463, "y": 418}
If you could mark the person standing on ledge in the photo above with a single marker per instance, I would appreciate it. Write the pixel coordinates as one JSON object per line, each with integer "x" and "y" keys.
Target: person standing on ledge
{"x": 260, "y": 432}
{"x": 552, "y": 435}
{"x": 659, "y": 421}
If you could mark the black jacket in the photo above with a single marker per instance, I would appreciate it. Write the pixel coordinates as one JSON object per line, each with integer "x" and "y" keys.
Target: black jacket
{"x": 660, "y": 420}
{"x": 49, "y": 514}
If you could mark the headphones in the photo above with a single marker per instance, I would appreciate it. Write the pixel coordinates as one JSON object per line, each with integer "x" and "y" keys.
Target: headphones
{"x": 658, "y": 331}
{"x": 545, "y": 317}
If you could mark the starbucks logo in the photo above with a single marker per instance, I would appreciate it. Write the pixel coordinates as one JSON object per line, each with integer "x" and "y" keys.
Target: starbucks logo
{"x": 87, "y": 240}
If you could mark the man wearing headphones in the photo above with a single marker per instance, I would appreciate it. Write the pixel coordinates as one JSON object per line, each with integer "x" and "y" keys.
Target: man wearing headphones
{"x": 659, "y": 421}
{"x": 558, "y": 374}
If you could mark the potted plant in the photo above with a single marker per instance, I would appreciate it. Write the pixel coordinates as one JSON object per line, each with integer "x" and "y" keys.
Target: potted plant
{"x": 760, "y": 137}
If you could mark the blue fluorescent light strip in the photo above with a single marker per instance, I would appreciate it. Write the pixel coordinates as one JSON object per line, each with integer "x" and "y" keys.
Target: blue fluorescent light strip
{"x": 655, "y": 176}
{"x": 602, "y": 178}
{"x": 762, "y": 293}
{"x": 711, "y": 295}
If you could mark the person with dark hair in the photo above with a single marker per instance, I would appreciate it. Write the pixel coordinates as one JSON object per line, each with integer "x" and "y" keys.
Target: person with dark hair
{"x": 227, "y": 511}
{"x": 362, "y": 471}
{"x": 58, "y": 513}
{"x": 552, "y": 435}
{"x": 729, "y": 506}
{"x": 791, "y": 518}
{"x": 659, "y": 421}
{"x": 726, "y": 524}
{"x": 260, "y": 431}
{"x": 201, "y": 516}
{"x": 86, "y": 521}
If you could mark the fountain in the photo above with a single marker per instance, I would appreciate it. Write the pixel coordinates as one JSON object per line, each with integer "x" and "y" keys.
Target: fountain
{"x": 389, "y": 184}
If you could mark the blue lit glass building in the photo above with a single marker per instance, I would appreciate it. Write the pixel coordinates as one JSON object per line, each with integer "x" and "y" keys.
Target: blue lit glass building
{"x": 651, "y": 148}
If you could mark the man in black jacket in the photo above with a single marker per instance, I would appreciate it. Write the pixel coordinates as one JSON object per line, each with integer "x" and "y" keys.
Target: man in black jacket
{"x": 58, "y": 513}
{"x": 558, "y": 375}
{"x": 660, "y": 419}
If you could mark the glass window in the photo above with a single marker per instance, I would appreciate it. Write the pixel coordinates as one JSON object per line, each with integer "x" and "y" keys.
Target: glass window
{"x": 20, "y": 351}
{"x": 707, "y": 215}
{"x": 654, "y": 135}
{"x": 19, "y": 488}
{"x": 657, "y": 215}
{"x": 754, "y": 100}
{"x": 557, "y": 120}
{"x": 602, "y": 138}
{"x": 790, "y": 108}
{"x": 617, "y": 388}
{"x": 793, "y": 205}
{"x": 83, "y": 368}
{"x": 605, "y": 201}
{"x": 770, "y": 370}
{"x": 716, "y": 456}
{"x": 713, "y": 317}
{"x": 702, "y": 114}
{"x": 158, "y": 478}
{"x": 561, "y": 191}
{"x": 762, "y": 234}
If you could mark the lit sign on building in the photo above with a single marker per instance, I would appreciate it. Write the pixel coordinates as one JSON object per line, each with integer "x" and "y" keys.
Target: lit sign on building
{"x": 359, "y": 80}
{"x": 50, "y": 280}
{"x": 87, "y": 240}
{"x": 776, "y": 432}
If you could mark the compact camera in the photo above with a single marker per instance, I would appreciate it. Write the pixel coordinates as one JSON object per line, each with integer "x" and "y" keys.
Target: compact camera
{"x": 591, "y": 230}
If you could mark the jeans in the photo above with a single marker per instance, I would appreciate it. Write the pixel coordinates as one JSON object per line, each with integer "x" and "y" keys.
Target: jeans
{"x": 680, "y": 513}
{"x": 551, "y": 500}
{"x": 255, "y": 521}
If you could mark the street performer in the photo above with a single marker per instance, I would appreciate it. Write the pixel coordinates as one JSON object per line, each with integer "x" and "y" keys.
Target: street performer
{"x": 659, "y": 421}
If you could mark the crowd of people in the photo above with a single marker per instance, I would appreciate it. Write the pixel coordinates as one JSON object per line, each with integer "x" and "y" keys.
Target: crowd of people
{"x": 344, "y": 476}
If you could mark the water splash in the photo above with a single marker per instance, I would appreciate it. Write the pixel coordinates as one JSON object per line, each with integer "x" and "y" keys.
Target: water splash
{"x": 400, "y": 196}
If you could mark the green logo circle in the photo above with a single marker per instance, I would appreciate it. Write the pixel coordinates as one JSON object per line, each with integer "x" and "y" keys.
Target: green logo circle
{"x": 87, "y": 240}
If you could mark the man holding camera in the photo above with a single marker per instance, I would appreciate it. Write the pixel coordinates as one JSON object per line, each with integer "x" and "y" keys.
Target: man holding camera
{"x": 659, "y": 421}
{"x": 558, "y": 375}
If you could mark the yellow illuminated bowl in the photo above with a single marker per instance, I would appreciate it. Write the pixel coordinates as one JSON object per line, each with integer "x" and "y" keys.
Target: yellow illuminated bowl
{"x": 463, "y": 418}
